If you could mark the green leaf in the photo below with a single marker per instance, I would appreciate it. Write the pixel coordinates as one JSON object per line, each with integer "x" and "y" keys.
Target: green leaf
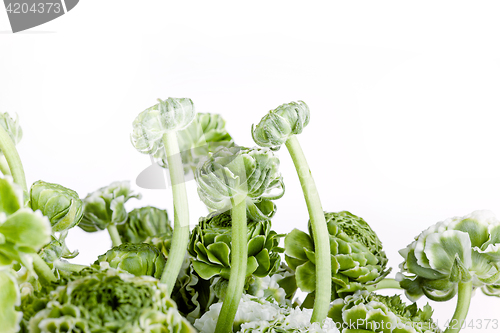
{"x": 27, "y": 228}
{"x": 10, "y": 297}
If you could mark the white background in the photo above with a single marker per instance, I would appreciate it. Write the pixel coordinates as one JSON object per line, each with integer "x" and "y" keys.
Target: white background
{"x": 404, "y": 102}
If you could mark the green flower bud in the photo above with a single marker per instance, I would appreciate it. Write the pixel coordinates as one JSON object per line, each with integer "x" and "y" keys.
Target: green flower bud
{"x": 236, "y": 172}
{"x": 61, "y": 205}
{"x": 143, "y": 223}
{"x": 456, "y": 250}
{"x": 280, "y": 124}
{"x": 172, "y": 114}
{"x": 12, "y": 127}
{"x": 106, "y": 206}
{"x": 210, "y": 247}
{"x": 356, "y": 255}
{"x": 106, "y": 301}
{"x": 197, "y": 141}
{"x": 368, "y": 312}
{"x": 137, "y": 259}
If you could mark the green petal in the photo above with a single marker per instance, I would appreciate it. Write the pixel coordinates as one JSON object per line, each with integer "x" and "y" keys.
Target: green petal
{"x": 306, "y": 277}
{"x": 206, "y": 271}
{"x": 255, "y": 245}
{"x": 441, "y": 248}
{"x": 295, "y": 242}
{"x": 478, "y": 233}
{"x": 424, "y": 272}
{"x": 219, "y": 253}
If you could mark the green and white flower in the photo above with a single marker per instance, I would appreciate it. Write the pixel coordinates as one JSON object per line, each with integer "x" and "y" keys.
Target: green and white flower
{"x": 233, "y": 172}
{"x": 105, "y": 209}
{"x": 210, "y": 247}
{"x": 260, "y": 315}
{"x": 459, "y": 249}
{"x": 367, "y": 312}
{"x": 172, "y": 114}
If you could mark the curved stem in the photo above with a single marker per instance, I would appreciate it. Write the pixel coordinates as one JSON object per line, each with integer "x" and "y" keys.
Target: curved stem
{"x": 239, "y": 255}
{"x": 115, "y": 236}
{"x": 67, "y": 266}
{"x": 43, "y": 271}
{"x": 4, "y": 166}
{"x": 319, "y": 230}
{"x": 9, "y": 150}
{"x": 386, "y": 283}
{"x": 463, "y": 303}
{"x": 180, "y": 237}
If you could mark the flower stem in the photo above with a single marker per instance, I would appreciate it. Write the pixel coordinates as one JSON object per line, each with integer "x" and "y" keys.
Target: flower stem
{"x": 463, "y": 303}
{"x": 43, "y": 271}
{"x": 115, "y": 236}
{"x": 67, "y": 266}
{"x": 239, "y": 256}
{"x": 319, "y": 230}
{"x": 4, "y": 166}
{"x": 180, "y": 237}
{"x": 386, "y": 283}
{"x": 11, "y": 155}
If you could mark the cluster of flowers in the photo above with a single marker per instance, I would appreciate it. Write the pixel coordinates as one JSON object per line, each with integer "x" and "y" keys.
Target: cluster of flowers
{"x": 230, "y": 273}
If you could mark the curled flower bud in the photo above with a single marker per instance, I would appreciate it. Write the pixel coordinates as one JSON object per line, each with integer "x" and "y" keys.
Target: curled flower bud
{"x": 356, "y": 254}
{"x": 143, "y": 223}
{"x": 241, "y": 172}
{"x": 172, "y": 114}
{"x": 61, "y": 205}
{"x": 210, "y": 247}
{"x": 12, "y": 127}
{"x": 106, "y": 206}
{"x": 459, "y": 249}
{"x": 138, "y": 259}
{"x": 281, "y": 123}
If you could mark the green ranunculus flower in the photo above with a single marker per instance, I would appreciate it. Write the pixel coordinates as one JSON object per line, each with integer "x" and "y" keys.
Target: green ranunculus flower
{"x": 210, "y": 247}
{"x": 241, "y": 172}
{"x": 172, "y": 114}
{"x": 281, "y": 123}
{"x": 143, "y": 223}
{"x": 456, "y": 250}
{"x": 106, "y": 301}
{"x": 106, "y": 206}
{"x": 61, "y": 205}
{"x": 356, "y": 255}
{"x": 137, "y": 259}
{"x": 368, "y": 312}
{"x": 197, "y": 141}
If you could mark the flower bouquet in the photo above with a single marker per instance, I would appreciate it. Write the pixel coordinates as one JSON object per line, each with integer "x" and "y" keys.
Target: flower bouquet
{"x": 231, "y": 272}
